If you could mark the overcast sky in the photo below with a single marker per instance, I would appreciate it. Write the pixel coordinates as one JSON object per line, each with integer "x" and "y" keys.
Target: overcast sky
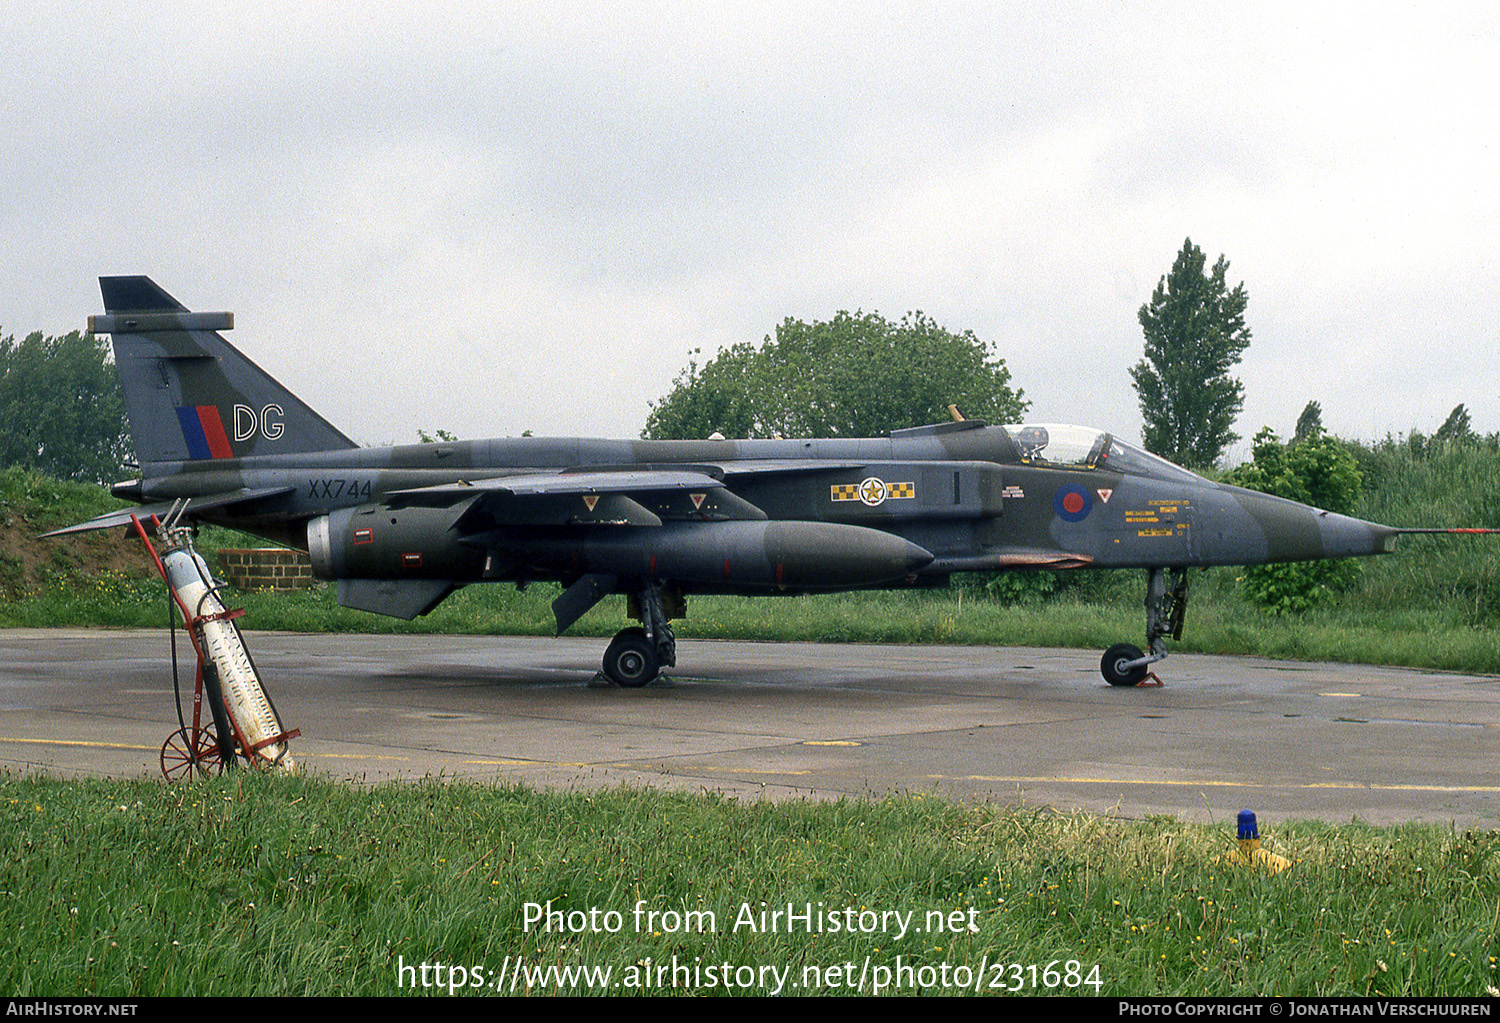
{"x": 494, "y": 217}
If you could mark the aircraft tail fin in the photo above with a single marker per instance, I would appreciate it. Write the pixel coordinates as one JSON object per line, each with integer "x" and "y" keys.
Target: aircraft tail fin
{"x": 190, "y": 394}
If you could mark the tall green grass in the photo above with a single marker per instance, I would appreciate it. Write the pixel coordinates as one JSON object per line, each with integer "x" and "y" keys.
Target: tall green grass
{"x": 44, "y": 503}
{"x": 275, "y": 885}
{"x": 1435, "y": 485}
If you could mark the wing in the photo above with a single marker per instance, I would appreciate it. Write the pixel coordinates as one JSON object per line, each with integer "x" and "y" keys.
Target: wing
{"x": 628, "y": 496}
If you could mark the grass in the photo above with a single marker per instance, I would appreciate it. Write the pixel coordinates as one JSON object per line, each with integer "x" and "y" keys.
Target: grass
{"x": 1440, "y": 638}
{"x": 45, "y": 503}
{"x": 275, "y": 885}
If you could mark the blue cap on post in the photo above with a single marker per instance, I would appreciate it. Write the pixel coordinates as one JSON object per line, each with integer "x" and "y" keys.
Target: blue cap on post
{"x": 1247, "y": 824}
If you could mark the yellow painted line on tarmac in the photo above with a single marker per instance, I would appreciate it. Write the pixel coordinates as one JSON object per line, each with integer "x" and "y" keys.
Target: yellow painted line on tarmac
{"x": 76, "y": 742}
{"x": 528, "y": 763}
{"x": 88, "y": 744}
{"x": 630, "y": 765}
{"x": 1400, "y": 788}
{"x": 746, "y": 770}
{"x": 696, "y": 769}
{"x": 1211, "y": 783}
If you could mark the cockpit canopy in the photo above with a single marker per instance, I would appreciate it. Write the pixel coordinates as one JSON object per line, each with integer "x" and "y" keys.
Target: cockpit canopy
{"x": 1060, "y": 446}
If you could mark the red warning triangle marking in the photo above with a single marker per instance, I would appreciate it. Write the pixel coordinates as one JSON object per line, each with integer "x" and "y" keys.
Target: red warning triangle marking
{"x": 1105, "y": 495}
{"x": 698, "y": 500}
{"x": 590, "y": 500}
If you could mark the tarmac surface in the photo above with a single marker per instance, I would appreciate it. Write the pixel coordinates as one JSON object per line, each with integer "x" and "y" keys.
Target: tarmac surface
{"x": 786, "y": 720}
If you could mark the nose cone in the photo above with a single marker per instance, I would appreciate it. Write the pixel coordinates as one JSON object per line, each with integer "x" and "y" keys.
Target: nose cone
{"x": 1297, "y": 532}
{"x": 1345, "y": 537}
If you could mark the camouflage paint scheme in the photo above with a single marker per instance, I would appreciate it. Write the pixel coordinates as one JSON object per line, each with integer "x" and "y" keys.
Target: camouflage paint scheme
{"x": 400, "y": 528}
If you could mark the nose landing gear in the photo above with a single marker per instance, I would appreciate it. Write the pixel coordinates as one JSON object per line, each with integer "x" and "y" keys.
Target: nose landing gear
{"x": 1166, "y": 604}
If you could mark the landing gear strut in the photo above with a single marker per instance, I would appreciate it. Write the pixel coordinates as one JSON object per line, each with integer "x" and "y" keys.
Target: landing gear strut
{"x": 1166, "y": 603}
{"x": 636, "y": 655}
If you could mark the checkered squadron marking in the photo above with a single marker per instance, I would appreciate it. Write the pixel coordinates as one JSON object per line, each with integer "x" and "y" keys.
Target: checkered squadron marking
{"x": 872, "y": 492}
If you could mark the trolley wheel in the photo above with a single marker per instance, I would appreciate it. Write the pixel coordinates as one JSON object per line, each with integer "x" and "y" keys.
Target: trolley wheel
{"x": 186, "y": 753}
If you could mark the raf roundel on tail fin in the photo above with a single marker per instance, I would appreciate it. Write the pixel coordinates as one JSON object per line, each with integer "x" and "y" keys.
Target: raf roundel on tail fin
{"x": 189, "y": 393}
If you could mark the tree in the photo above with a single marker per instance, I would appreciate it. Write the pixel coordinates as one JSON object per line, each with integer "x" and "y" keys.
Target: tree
{"x": 1457, "y": 428}
{"x": 1317, "y": 470}
{"x": 856, "y": 375}
{"x": 61, "y": 407}
{"x": 718, "y": 398}
{"x": 1195, "y": 331}
{"x": 1309, "y": 423}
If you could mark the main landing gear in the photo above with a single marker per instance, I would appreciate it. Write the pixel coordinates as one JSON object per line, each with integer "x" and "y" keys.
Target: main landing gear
{"x": 1166, "y": 602}
{"x": 638, "y": 654}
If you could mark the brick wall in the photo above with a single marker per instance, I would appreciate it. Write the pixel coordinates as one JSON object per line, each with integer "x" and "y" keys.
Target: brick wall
{"x": 266, "y": 568}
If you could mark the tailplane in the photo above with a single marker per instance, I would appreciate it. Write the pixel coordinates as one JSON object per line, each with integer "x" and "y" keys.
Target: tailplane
{"x": 190, "y": 394}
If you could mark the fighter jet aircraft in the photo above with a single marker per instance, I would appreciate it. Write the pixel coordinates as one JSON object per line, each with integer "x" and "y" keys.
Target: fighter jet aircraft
{"x": 398, "y": 529}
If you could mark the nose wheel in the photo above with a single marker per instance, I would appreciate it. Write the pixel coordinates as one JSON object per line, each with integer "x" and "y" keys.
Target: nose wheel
{"x": 1124, "y": 664}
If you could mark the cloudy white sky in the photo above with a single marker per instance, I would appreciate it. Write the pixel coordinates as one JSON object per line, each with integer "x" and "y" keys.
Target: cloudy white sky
{"x": 494, "y": 217}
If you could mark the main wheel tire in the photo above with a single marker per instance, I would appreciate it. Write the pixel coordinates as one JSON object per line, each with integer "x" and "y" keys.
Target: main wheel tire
{"x": 1112, "y": 666}
{"x": 631, "y": 659}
